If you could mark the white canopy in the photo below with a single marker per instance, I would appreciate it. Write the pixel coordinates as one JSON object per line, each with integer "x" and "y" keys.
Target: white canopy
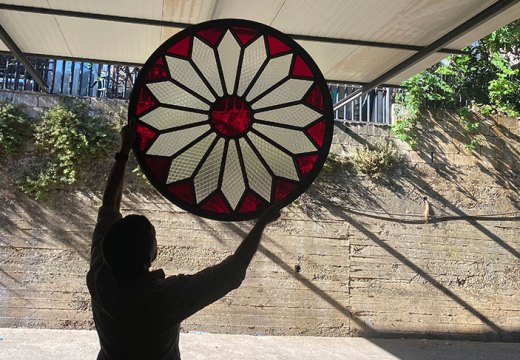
{"x": 351, "y": 40}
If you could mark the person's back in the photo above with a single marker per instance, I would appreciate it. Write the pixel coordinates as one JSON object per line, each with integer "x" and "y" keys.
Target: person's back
{"x": 132, "y": 319}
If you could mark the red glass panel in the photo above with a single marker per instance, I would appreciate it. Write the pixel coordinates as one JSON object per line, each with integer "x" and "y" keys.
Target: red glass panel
{"x": 250, "y": 203}
{"x": 306, "y": 163}
{"x": 211, "y": 35}
{"x": 315, "y": 98}
{"x": 245, "y": 35}
{"x": 282, "y": 188}
{"x": 145, "y": 135}
{"x": 216, "y": 204}
{"x": 159, "y": 167}
{"x": 181, "y": 48}
{"x": 183, "y": 190}
{"x": 317, "y": 132}
{"x": 231, "y": 116}
{"x": 301, "y": 69}
{"x": 276, "y": 46}
{"x": 158, "y": 71}
{"x": 145, "y": 101}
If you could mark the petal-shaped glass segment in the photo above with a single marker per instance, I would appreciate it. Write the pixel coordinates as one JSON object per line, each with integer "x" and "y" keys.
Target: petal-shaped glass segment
{"x": 165, "y": 118}
{"x": 206, "y": 180}
{"x": 277, "y": 69}
{"x": 182, "y": 71}
{"x": 280, "y": 163}
{"x": 204, "y": 58}
{"x": 290, "y": 91}
{"x": 169, "y": 143}
{"x": 169, "y": 93}
{"x": 254, "y": 56}
{"x": 293, "y": 140}
{"x": 297, "y": 115}
{"x": 184, "y": 165}
{"x": 233, "y": 185}
{"x": 229, "y": 54}
{"x": 258, "y": 178}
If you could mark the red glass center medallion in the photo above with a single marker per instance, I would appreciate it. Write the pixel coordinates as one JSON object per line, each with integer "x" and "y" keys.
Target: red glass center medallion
{"x": 231, "y": 116}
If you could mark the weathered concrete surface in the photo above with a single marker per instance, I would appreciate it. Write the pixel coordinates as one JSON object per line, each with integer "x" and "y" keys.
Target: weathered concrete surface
{"x": 36, "y": 344}
{"x": 370, "y": 265}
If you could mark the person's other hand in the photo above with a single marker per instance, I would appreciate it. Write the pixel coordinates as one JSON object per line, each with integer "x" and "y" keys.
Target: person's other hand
{"x": 269, "y": 215}
{"x": 128, "y": 136}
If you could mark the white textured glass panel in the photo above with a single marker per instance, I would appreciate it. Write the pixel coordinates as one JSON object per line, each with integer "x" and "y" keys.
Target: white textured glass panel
{"x": 204, "y": 57}
{"x": 182, "y": 166}
{"x": 169, "y": 93}
{"x": 254, "y": 56}
{"x": 258, "y": 177}
{"x": 296, "y": 115}
{"x": 165, "y": 118}
{"x": 279, "y": 162}
{"x": 229, "y": 54}
{"x": 276, "y": 70}
{"x": 206, "y": 180}
{"x": 169, "y": 143}
{"x": 233, "y": 180}
{"x": 182, "y": 71}
{"x": 293, "y": 140}
{"x": 290, "y": 91}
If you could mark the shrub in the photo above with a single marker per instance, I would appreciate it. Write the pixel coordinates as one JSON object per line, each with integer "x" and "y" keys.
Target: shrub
{"x": 15, "y": 129}
{"x": 376, "y": 160}
{"x": 70, "y": 142}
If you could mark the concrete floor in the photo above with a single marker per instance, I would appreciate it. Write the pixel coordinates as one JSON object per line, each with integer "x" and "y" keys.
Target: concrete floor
{"x": 34, "y": 344}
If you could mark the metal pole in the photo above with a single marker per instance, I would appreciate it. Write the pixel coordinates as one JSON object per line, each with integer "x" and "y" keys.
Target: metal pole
{"x": 15, "y": 50}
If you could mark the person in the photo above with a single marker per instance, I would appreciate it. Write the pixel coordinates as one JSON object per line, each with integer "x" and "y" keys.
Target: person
{"x": 137, "y": 312}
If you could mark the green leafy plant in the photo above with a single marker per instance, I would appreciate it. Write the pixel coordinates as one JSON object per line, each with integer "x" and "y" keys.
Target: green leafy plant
{"x": 377, "y": 159}
{"x": 15, "y": 129}
{"x": 70, "y": 141}
{"x": 484, "y": 78}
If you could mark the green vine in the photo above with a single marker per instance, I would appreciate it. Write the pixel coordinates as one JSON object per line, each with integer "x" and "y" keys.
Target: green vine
{"x": 69, "y": 142}
{"x": 15, "y": 129}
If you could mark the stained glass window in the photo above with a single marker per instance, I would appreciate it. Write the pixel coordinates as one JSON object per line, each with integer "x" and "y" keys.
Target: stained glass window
{"x": 232, "y": 116}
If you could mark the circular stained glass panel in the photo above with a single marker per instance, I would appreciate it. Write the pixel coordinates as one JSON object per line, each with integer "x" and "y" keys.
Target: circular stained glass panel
{"x": 232, "y": 116}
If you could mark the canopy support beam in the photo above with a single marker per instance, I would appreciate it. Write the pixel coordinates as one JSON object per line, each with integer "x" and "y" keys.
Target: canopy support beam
{"x": 462, "y": 29}
{"x": 15, "y": 50}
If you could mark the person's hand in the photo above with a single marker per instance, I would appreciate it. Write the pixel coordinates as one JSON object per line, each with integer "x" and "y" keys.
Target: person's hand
{"x": 128, "y": 136}
{"x": 269, "y": 215}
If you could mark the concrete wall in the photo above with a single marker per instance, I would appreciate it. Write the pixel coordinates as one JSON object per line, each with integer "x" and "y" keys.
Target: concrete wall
{"x": 370, "y": 266}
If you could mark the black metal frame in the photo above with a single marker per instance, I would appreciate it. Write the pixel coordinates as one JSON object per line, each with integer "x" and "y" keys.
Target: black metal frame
{"x": 327, "y": 116}
{"x": 452, "y": 35}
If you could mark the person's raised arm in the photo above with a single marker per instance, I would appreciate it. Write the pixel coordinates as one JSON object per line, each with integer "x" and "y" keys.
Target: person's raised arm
{"x": 114, "y": 186}
{"x": 212, "y": 283}
{"x": 247, "y": 249}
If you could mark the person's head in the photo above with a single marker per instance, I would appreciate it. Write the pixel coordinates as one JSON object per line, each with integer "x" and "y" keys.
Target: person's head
{"x": 130, "y": 246}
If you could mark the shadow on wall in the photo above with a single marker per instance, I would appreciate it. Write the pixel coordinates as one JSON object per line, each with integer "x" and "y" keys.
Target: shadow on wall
{"x": 478, "y": 191}
{"x": 455, "y": 276}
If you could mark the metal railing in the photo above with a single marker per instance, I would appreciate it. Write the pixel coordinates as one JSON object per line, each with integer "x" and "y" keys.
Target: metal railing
{"x": 67, "y": 77}
{"x": 372, "y": 107}
{"x": 83, "y": 78}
